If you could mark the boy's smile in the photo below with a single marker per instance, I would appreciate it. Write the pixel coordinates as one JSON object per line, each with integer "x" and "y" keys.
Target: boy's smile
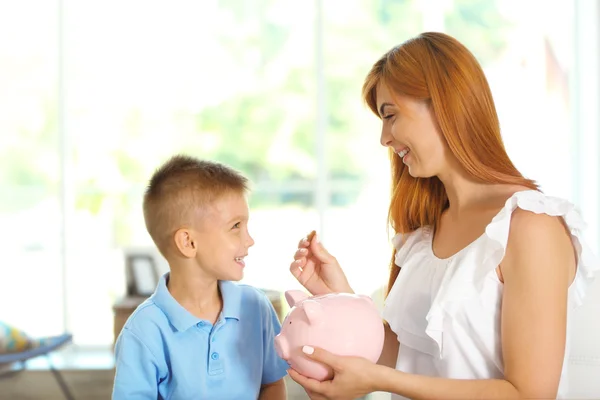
{"x": 223, "y": 239}
{"x": 240, "y": 260}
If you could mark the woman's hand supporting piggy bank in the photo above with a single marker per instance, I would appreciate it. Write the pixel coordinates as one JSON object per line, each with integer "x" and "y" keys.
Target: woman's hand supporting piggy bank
{"x": 341, "y": 323}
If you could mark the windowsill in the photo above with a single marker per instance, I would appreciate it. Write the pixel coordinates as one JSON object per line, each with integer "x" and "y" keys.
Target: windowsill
{"x": 74, "y": 358}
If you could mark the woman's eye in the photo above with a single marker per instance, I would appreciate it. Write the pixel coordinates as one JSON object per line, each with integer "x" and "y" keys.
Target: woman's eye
{"x": 388, "y": 116}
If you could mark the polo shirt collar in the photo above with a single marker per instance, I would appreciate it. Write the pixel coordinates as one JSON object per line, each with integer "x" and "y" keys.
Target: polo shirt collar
{"x": 232, "y": 299}
{"x": 181, "y": 318}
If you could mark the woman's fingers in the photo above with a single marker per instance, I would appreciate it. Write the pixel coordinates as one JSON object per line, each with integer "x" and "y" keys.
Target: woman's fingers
{"x": 303, "y": 242}
{"x": 300, "y": 253}
{"x": 296, "y": 267}
{"x": 310, "y": 385}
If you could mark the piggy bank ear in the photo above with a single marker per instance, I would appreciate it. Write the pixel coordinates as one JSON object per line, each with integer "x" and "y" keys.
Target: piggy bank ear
{"x": 364, "y": 296}
{"x": 313, "y": 310}
{"x": 294, "y": 296}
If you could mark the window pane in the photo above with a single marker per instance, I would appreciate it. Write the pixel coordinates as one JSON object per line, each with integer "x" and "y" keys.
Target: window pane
{"x": 235, "y": 82}
{"x": 530, "y": 73}
{"x": 31, "y": 294}
{"x": 354, "y": 38}
{"x": 227, "y": 80}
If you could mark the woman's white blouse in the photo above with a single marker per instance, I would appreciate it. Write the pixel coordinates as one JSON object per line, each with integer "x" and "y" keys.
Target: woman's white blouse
{"x": 446, "y": 312}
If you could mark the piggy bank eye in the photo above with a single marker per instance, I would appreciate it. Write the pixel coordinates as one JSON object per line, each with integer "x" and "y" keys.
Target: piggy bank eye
{"x": 290, "y": 322}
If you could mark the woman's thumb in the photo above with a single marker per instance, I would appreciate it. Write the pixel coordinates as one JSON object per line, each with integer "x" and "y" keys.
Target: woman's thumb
{"x": 319, "y": 250}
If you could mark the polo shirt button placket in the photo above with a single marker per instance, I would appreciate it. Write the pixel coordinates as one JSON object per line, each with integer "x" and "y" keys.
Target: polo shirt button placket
{"x": 215, "y": 363}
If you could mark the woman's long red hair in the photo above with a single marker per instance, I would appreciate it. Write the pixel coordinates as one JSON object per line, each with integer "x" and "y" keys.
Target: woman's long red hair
{"x": 437, "y": 68}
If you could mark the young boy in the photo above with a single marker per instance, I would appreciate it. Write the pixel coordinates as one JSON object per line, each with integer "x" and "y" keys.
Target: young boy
{"x": 200, "y": 336}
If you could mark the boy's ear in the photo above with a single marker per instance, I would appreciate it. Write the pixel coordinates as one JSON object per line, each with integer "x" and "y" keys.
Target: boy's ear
{"x": 185, "y": 242}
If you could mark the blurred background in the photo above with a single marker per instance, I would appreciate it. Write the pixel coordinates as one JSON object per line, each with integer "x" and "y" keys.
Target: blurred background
{"x": 94, "y": 95}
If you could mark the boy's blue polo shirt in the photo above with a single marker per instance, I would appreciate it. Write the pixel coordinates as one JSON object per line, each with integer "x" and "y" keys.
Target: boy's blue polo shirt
{"x": 164, "y": 352}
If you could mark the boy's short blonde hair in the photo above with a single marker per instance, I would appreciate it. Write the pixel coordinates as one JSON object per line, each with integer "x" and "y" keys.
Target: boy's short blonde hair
{"x": 180, "y": 188}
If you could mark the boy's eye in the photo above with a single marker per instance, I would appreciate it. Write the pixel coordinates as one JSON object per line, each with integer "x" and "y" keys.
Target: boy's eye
{"x": 237, "y": 225}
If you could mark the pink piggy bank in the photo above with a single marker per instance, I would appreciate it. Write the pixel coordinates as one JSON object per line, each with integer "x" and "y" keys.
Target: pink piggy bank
{"x": 341, "y": 323}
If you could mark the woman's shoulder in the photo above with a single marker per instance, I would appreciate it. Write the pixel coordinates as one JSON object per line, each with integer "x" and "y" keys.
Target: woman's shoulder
{"x": 538, "y": 234}
{"x": 529, "y": 215}
{"x": 533, "y": 212}
{"x": 535, "y": 226}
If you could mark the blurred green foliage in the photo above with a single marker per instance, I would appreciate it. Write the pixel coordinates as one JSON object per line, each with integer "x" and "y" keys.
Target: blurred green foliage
{"x": 267, "y": 127}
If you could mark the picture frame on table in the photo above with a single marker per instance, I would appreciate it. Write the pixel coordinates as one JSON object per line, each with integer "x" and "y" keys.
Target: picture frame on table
{"x": 141, "y": 274}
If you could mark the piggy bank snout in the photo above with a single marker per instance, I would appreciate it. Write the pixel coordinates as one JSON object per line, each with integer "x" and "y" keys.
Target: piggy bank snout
{"x": 282, "y": 347}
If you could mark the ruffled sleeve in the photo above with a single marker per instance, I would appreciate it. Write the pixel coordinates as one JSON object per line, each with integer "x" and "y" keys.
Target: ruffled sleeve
{"x": 404, "y": 243}
{"x": 466, "y": 275}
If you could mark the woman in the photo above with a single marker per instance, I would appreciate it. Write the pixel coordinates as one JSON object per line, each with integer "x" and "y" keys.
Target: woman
{"x": 485, "y": 268}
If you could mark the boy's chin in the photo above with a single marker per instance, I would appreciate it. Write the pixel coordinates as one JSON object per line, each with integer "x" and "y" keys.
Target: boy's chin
{"x": 238, "y": 277}
{"x": 233, "y": 276}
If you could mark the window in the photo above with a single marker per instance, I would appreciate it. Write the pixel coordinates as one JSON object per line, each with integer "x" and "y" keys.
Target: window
{"x": 30, "y": 168}
{"x": 95, "y": 96}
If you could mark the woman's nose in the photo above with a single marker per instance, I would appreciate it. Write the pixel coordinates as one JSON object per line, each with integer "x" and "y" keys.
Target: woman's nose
{"x": 386, "y": 139}
{"x": 386, "y": 136}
